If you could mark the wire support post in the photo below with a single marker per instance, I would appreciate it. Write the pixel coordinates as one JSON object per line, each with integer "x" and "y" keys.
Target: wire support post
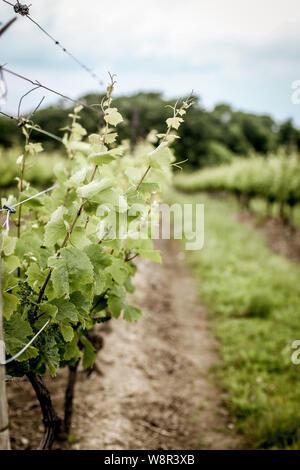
{"x": 4, "y": 423}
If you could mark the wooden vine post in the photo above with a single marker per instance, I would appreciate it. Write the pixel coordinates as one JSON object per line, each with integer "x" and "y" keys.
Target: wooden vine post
{"x": 4, "y": 431}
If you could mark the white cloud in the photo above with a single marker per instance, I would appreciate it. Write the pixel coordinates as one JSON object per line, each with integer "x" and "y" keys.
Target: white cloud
{"x": 219, "y": 48}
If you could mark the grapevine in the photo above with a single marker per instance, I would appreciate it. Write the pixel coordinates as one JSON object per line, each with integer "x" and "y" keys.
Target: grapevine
{"x": 65, "y": 267}
{"x": 272, "y": 179}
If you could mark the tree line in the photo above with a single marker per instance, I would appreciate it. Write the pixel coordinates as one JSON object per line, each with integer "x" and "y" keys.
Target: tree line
{"x": 210, "y": 137}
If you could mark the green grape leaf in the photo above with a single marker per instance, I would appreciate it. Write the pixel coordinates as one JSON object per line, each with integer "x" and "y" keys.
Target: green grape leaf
{"x": 174, "y": 122}
{"x": 30, "y": 353}
{"x": 149, "y": 188}
{"x": 66, "y": 311}
{"x": 102, "y": 158}
{"x": 34, "y": 203}
{"x": 29, "y": 245}
{"x": 61, "y": 174}
{"x": 111, "y": 137}
{"x": 161, "y": 157}
{"x": 10, "y": 303}
{"x": 82, "y": 305}
{"x": 60, "y": 279}
{"x": 132, "y": 314}
{"x": 89, "y": 191}
{"x": 48, "y": 309}
{"x": 35, "y": 276}
{"x": 32, "y": 148}
{"x": 134, "y": 174}
{"x": 81, "y": 147}
{"x": 55, "y": 230}
{"x": 79, "y": 269}
{"x": 79, "y": 238}
{"x": 128, "y": 286}
{"x": 119, "y": 271}
{"x": 89, "y": 353}
{"x": 17, "y": 333}
{"x": 77, "y": 178}
{"x": 100, "y": 282}
{"x": 113, "y": 117}
{"x": 9, "y": 244}
{"x": 98, "y": 258}
{"x": 45, "y": 312}
{"x": 72, "y": 351}
{"x": 111, "y": 197}
{"x": 67, "y": 332}
{"x": 115, "y": 305}
{"x": 153, "y": 255}
{"x": 100, "y": 261}
{"x": 96, "y": 139}
{"x": 12, "y": 262}
{"x": 50, "y": 352}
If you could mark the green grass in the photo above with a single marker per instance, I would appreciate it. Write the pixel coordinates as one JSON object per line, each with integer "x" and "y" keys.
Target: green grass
{"x": 39, "y": 168}
{"x": 253, "y": 296}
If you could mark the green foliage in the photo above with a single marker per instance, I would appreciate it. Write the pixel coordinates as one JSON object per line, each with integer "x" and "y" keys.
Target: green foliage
{"x": 73, "y": 267}
{"x": 260, "y": 305}
{"x": 236, "y": 273}
{"x": 39, "y": 169}
{"x": 208, "y": 137}
{"x": 275, "y": 179}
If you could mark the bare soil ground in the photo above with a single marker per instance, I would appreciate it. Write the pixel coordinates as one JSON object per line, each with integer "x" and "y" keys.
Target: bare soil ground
{"x": 280, "y": 238}
{"x": 156, "y": 390}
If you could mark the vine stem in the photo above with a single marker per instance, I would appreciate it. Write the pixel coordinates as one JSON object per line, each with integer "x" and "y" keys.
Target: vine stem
{"x": 130, "y": 258}
{"x": 21, "y": 189}
{"x": 43, "y": 288}
{"x": 143, "y": 177}
{"x": 51, "y": 421}
{"x": 69, "y": 397}
{"x": 27, "y": 137}
{"x": 65, "y": 241}
{"x": 149, "y": 167}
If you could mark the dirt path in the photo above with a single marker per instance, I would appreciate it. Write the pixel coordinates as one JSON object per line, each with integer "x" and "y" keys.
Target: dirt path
{"x": 279, "y": 238}
{"x": 156, "y": 392}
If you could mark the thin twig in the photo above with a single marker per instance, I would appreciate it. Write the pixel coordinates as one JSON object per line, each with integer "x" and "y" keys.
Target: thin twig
{"x": 37, "y": 84}
{"x": 24, "y": 96}
{"x": 36, "y": 108}
{"x": 27, "y": 137}
{"x": 105, "y": 235}
{"x": 143, "y": 177}
{"x": 7, "y": 25}
{"x": 132, "y": 257}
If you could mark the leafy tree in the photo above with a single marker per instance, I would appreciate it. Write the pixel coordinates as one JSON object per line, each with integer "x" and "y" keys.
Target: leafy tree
{"x": 204, "y": 132}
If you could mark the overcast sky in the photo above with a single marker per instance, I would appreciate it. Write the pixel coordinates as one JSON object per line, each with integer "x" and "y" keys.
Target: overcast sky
{"x": 243, "y": 52}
